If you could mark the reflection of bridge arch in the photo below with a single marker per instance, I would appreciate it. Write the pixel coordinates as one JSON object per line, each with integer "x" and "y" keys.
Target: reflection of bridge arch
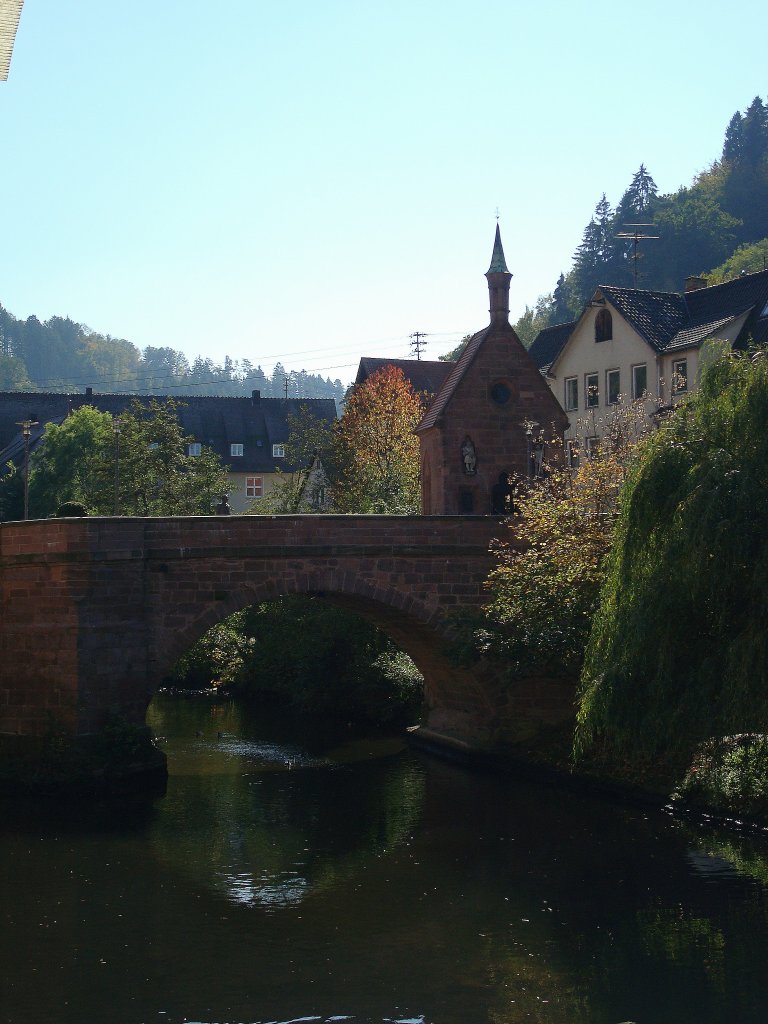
{"x": 94, "y": 611}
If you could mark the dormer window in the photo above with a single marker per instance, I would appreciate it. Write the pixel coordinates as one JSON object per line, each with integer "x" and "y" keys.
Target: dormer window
{"x": 278, "y": 451}
{"x": 603, "y": 326}
{"x": 235, "y": 450}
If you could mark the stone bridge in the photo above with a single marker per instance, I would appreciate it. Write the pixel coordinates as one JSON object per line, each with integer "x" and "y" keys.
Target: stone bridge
{"x": 95, "y": 611}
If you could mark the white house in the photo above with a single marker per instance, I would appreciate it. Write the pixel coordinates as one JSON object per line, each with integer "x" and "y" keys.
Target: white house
{"x": 629, "y": 343}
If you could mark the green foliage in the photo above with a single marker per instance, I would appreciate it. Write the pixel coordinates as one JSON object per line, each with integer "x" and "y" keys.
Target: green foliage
{"x": 71, "y": 509}
{"x": 543, "y": 597}
{"x": 453, "y": 355}
{"x": 157, "y": 475}
{"x": 747, "y": 259}
{"x": 70, "y": 464}
{"x": 679, "y": 648}
{"x": 307, "y": 486}
{"x": 78, "y": 459}
{"x": 60, "y": 354}
{"x": 11, "y": 494}
{"x": 306, "y": 654}
{"x": 729, "y": 775}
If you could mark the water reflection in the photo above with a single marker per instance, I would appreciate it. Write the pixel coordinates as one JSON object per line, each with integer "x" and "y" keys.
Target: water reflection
{"x": 324, "y": 879}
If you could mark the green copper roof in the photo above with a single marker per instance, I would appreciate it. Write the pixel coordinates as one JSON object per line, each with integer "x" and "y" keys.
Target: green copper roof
{"x": 498, "y": 263}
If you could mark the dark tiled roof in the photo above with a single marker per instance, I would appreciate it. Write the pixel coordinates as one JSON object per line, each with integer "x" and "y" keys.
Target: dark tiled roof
{"x": 426, "y": 375}
{"x": 451, "y": 382}
{"x": 256, "y": 423}
{"x": 657, "y": 316}
{"x": 669, "y": 320}
{"x": 548, "y": 344}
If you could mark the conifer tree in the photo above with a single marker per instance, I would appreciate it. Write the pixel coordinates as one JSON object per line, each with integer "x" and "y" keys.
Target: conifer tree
{"x": 755, "y": 131}
{"x": 733, "y": 142}
{"x": 561, "y": 304}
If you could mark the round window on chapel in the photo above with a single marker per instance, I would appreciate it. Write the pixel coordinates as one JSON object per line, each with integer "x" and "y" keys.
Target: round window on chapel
{"x": 500, "y": 393}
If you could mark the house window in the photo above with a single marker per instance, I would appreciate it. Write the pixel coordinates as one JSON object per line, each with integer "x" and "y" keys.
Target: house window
{"x": 572, "y": 454}
{"x": 639, "y": 381}
{"x": 571, "y": 393}
{"x": 194, "y": 448}
{"x": 679, "y": 376}
{"x": 591, "y": 391}
{"x": 613, "y": 386}
{"x": 254, "y": 486}
{"x": 278, "y": 451}
{"x": 591, "y": 444}
{"x": 235, "y": 450}
{"x": 603, "y": 326}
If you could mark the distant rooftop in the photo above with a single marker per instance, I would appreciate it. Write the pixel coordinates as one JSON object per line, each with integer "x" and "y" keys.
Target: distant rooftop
{"x": 426, "y": 375}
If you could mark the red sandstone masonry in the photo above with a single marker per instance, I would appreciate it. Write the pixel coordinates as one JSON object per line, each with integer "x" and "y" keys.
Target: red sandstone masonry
{"x": 94, "y": 611}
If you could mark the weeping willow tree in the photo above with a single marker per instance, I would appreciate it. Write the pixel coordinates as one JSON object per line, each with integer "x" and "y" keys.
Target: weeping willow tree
{"x": 679, "y": 647}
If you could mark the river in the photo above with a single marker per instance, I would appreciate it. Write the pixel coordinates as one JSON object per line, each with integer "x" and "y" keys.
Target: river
{"x": 355, "y": 880}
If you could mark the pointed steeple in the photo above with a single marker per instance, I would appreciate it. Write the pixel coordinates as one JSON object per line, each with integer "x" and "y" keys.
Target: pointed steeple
{"x": 498, "y": 278}
{"x": 498, "y": 263}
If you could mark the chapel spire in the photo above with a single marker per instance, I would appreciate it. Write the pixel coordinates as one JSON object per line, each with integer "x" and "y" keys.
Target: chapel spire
{"x": 498, "y": 278}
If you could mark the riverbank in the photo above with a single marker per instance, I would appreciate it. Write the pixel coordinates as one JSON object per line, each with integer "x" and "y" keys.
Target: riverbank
{"x": 657, "y": 785}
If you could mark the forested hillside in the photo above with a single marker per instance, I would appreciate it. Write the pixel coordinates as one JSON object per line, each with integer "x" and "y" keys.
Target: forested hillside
{"x": 60, "y": 355}
{"x": 699, "y": 228}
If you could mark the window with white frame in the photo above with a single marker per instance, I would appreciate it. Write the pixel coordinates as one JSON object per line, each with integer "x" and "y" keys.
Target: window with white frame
{"x": 235, "y": 450}
{"x": 613, "y": 386}
{"x": 591, "y": 444}
{"x": 572, "y": 454}
{"x": 254, "y": 487}
{"x": 571, "y": 393}
{"x": 591, "y": 391}
{"x": 278, "y": 451}
{"x": 194, "y": 448}
{"x": 639, "y": 380}
{"x": 679, "y": 376}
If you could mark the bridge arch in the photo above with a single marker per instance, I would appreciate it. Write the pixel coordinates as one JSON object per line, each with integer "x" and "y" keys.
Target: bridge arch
{"x": 94, "y": 611}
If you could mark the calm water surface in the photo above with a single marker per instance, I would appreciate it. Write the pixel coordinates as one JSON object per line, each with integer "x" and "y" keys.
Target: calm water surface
{"x": 360, "y": 882}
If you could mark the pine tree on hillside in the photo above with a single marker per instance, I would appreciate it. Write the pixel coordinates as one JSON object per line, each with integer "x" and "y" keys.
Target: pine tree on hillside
{"x": 639, "y": 197}
{"x": 755, "y": 132}
{"x": 561, "y": 311}
{"x": 733, "y": 143}
{"x": 635, "y": 207}
{"x": 593, "y": 256}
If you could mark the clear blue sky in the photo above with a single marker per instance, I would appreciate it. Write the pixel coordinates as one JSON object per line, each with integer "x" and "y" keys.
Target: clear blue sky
{"x": 313, "y": 181}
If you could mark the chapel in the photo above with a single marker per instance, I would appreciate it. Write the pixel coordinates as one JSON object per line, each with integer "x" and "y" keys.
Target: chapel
{"x": 489, "y": 421}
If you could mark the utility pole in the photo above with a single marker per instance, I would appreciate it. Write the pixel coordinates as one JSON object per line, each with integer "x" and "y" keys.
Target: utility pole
{"x": 417, "y": 345}
{"x": 285, "y": 388}
{"x": 26, "y": 430}
{"x": 116, "y": 427}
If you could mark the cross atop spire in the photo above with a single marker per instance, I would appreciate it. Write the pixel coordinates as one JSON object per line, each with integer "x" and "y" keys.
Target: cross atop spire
{"x": 498, "y": 263}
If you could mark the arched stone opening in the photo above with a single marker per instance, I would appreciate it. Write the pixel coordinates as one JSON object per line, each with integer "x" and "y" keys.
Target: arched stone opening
{"x": 412, "y": 623}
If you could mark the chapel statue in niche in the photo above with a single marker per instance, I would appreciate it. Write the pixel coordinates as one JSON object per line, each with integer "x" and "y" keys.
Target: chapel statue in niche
{"x": 468, "y": 456}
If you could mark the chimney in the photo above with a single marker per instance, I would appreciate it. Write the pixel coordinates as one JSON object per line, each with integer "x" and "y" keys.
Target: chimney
{"x": 693, "y": 283}
{"x": 89, "y": 392}
{"x": 255, "y": 396}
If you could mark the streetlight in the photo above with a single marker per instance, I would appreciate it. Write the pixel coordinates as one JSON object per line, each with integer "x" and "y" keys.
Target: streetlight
{"x": 116, "y": 427}
{"x": 529, "y": 425}
{"x": 26, "y": 430}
